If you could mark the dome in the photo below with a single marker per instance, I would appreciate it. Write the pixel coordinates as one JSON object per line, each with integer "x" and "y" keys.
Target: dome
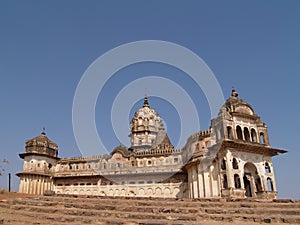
{"x": 146, "y": 118}
{"x": 122, "y": 150}
{"x": 42, "y": 145}
{"x": 146, "y": 128}
{"x": 236, "y": 105}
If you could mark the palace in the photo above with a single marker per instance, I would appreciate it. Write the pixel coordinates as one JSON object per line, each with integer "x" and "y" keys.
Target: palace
{"x": 233, "y": 158}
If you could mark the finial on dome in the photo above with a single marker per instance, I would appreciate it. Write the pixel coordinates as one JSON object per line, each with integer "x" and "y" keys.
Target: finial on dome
{"x": 146, "y": 104}
{"x": 234, "y": 92}
{"x": 43, "y": 132}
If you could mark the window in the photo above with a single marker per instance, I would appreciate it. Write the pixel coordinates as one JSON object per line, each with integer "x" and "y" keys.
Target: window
{"x": 262, "y": 138}
{"x": 149, "y": 162}
{"x": 225, "y": 184}
{"x": 70, "y": 166}
{"x": 267, "y": 167}
{"x": 229, "y": 132}
{"x": 235, "y": 164}
{"x": 237, "y": 181}
{"x": 246, "y": 134}
{"x": 270, "y": 184}
{"x": 253, "y": 135}
{"x": 239, "y": 133}
{"x": 223, "y": 164}
{"x": 175, "y": 160}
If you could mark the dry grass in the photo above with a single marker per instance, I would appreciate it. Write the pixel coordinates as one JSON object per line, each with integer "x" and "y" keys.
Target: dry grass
{"x": 3, "y": 191}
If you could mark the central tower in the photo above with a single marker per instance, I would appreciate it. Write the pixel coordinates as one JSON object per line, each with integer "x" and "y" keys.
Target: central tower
{"x": 146, "y": 128}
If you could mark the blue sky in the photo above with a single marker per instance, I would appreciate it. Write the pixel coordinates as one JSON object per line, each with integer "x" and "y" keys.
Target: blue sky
{"x": 46, "y": 46}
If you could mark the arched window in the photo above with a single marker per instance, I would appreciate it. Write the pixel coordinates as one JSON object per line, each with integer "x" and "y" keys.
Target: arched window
{"x": 70, "y": 166}
{"x": 239, "y": 133}
{"x": 229, "y": 132}
{"x": 49, "y": 165}
{"x": 246, "y": 134}
{"x": 223, "y": 164}
{"x": 262, "y": 138}
{"x": 235, "y": 164}
{"x": 104, "y": 166}
{"x": 237, "y": 181}
{"x": 253, "y": 135}
{"x": 268, "y": 168}
{"x": 225, "y": 184}
{"x": 270, "y": 184}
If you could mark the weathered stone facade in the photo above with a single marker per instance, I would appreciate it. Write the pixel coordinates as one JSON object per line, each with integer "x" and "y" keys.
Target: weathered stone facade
{"x": 230, "y": 159}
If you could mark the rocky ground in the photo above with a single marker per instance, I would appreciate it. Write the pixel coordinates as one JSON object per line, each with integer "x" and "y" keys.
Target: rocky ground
{"x": 20, "y": 209}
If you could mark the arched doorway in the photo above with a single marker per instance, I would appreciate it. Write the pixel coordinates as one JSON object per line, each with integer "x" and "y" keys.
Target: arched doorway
{"x": 251, "y": 180}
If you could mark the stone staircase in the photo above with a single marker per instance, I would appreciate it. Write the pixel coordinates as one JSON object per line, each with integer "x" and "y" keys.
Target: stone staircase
{"x": 147, "y": 211}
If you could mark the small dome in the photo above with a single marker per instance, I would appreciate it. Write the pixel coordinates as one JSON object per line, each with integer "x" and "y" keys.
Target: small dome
{"x": 122, "y": 150}
{"x": 236, "y": 105}
{"x": 41, "y": 144}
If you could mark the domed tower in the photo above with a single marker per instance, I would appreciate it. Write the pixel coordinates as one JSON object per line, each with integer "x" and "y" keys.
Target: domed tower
{"x": 245, "y": 155}
{"x": 146, "y": 128}
{"x": 237, "y": 120}
{"x": 40, "y": 157}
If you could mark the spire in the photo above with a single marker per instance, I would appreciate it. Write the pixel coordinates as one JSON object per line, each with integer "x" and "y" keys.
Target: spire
{"x": 43, "y": 132}
{"x": 146, "y": 104}
{"x": 234, "y": 92}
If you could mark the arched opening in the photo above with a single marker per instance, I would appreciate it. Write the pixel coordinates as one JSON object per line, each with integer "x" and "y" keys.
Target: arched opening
{"x": 246, "y": 134}
{"x": 253, "y": 135}
{"x": 268, "y": 168}
{"x": 270, "y": 184}
{"x": 229, "y": 132}
{"x": 250, "y": 180}
{"x": 237, "y": 181}
{"x": 258, "y": 184}
{"x": 70, "y": 166}
{"x": 247, "y": 185}
{"x": 225, "y": 184}
{"x": 239, "y": 133}
{"x": 262, "y": 138}
{"x": 223, "y": 164}
{"x": 235, "y": 164}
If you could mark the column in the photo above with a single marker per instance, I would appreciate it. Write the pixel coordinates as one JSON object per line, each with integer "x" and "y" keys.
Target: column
{"x": 195, "y": 179}
{"x": 200, "y": 185}
{"x": 230, "y": 180}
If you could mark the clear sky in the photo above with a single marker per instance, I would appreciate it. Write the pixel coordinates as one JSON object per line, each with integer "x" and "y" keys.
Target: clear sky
{"x": 46, "y": 46}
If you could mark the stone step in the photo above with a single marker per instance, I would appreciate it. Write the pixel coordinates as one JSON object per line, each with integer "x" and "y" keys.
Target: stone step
{"x": 88, "y": 218}
{"x": 167, "y": 208}
{"x": 218, "y": 215}
{"x": 156, "y": 202}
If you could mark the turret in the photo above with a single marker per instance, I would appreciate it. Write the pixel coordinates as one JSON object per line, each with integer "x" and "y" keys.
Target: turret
{"x": 40, "y": 157}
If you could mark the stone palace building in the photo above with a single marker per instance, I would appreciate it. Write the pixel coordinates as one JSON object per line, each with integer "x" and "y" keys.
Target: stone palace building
{"x": 233, "y": 158}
